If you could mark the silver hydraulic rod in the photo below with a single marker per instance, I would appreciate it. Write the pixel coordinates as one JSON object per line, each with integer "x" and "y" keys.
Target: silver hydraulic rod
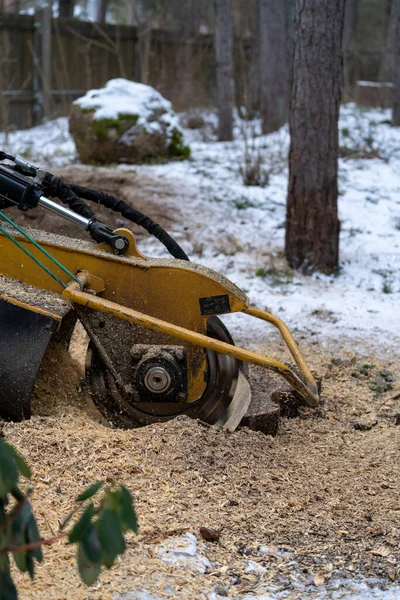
{"x": 66, "y": 213}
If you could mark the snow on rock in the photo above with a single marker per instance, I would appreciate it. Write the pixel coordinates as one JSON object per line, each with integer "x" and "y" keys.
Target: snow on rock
{"x": 125, "y": 122}
{"x": 183, "y": 552}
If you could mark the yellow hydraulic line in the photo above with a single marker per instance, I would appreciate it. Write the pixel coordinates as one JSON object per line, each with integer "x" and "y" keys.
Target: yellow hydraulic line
{"x": 287, "y": 336}
{"x": 74, "y": 294}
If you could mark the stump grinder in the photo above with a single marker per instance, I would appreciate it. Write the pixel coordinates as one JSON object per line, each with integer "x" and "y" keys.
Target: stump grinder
{"x": 157, "y": 347}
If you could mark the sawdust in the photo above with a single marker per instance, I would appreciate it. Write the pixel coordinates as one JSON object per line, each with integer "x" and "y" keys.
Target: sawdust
{"x": 320, "y": 488}
{"x": 33, "y": 296}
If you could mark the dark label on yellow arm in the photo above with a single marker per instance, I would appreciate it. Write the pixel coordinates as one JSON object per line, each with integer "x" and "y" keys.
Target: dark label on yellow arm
{"x": 215, "y": 305}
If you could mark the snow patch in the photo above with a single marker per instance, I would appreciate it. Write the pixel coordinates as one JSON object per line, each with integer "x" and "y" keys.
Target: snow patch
{"x": 140, "y": 595}
{"x": 377, "y": 84}
{"x": 254, "y": 567}
{"x": 183, "y": 552}
{"x": 48, "y": 145}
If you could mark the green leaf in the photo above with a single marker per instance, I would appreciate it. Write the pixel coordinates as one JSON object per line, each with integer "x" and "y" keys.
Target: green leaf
{"x": 110, "y": 533}
{"x": 23, "y": 517}
{"x": 20, "y": 561}
{"x": 91, "y": 491}
{"x": 87, "y": 570}
{"x": 8, "y": 469}
{"x": 127, "y": 511}
{"x": 33, "y": 535}
{"x": 30, "y": 564}
{"x": 7, "y": 587}
{"x": 91, "y": 545}
{"x": 18, "y": 539}
{"x": 82, "y": 526}
{"x": 21, "y": 464}
{"x": 107, "y": 560}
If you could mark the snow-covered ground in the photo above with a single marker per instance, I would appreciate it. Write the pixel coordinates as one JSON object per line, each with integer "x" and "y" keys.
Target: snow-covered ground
{"x": 238, "y": 230}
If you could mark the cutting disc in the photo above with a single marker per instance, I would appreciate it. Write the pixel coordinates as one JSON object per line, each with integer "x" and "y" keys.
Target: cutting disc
{"x": 224, "y": 402}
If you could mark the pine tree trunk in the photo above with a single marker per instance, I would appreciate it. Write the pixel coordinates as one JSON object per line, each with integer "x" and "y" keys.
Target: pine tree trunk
{"x": 101, "y": 11}
{"x": 350, "y": 47}
{"x": 224, "y": 60}
{"x": 273, "y": 64}
{"x": 386, "y": 66}
{"x": 312, "y": 224}
{"x": 396, "y": 70}
{"x": 66, "y": 9}
{"x": 289, "y": 25}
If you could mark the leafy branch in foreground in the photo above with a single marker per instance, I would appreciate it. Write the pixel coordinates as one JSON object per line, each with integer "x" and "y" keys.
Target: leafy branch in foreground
{"x": 98, "y": 532}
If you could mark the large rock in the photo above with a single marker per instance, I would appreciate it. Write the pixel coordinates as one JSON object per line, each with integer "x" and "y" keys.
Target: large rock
{"x": 125, "y": 122}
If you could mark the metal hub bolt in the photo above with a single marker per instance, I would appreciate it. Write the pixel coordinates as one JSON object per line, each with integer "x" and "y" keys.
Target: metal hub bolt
{"x": 157, "y": 380}
{"x": 120, "y": 244}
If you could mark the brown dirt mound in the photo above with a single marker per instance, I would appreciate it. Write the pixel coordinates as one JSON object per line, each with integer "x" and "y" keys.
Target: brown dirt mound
{"x": 321, "y": 487}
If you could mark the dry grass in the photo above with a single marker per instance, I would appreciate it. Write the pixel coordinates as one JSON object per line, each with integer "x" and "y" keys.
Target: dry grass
{"x": 320, "y": 487}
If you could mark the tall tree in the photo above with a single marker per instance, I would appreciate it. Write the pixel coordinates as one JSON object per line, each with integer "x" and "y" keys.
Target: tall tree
{"x": 312, "y": 224}
{"x": 224, "y": 62}
{"x": 396, "y": 69}
{"x": 273, "y": 64}
{"x": 389, "y": 31}
{"x": 101, "y": 10}
{"x": 350, "y": 46}
{"x": 66, "y": 9}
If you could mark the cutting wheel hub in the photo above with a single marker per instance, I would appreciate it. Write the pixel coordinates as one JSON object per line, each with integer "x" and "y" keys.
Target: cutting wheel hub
{"x": 158, "y": 374}
{"x": 157, "y": 380}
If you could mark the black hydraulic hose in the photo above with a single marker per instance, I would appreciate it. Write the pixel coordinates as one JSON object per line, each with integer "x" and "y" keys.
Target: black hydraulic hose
{"x": 56, "y": 188}
{"x": 134, "y": 215}
{"x": 72, "y": 196}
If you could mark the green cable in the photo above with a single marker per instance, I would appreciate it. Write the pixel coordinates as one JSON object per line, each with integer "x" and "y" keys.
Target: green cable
{"x": 39, "y": 247}
{"x": 20, "y": 246}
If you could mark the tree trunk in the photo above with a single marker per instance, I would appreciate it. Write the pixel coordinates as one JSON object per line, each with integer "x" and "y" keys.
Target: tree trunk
{"x": 350, "y": 47}
{"x": 137, "y": 13}
{"x": 101, "y": 11}
{"x": 386, "y": 66}
{"x": 312, "y": 224}
{"x": 273, "y": 64}
{"x": 224, "y": 63}
{"x": 289, "y": 25}
{"x": 66, "y": 9}
{"x": 396, "y": 70}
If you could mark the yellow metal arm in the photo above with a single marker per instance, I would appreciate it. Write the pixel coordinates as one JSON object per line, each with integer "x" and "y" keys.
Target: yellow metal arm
{"x": 309, "y": 392}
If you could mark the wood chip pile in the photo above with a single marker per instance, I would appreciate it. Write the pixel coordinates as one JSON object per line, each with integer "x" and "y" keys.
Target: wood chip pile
{"x": 326, "y": 486}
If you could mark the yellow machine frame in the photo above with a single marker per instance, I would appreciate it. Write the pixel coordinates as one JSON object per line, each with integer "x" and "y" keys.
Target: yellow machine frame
{"x": 158, "y": 294}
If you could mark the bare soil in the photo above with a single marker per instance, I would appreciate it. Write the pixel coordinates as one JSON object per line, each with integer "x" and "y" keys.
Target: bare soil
{"x": 325, "y": 489}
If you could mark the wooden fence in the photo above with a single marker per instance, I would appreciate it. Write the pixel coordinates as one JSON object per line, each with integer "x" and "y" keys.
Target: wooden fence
{"x": 41, "y": 74}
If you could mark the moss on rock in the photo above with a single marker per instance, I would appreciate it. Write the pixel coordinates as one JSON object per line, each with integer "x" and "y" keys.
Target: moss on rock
{"x": 108, "y": 127}
{"x": 177, "y": 146}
